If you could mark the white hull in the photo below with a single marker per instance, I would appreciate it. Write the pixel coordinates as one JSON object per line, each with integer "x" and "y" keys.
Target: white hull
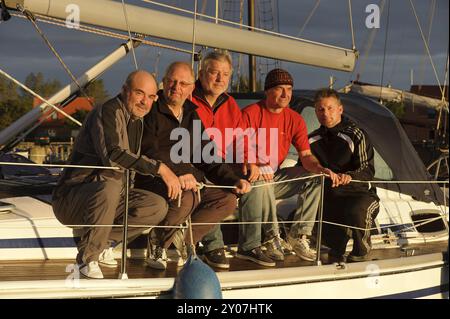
{"x": 412, "y": 277}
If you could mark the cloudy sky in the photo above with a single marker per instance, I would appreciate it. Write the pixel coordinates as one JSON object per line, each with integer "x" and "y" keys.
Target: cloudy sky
{"x": 22, "y": 50}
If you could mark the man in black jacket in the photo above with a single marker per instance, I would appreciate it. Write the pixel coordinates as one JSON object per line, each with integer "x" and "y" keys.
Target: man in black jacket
{"x": 340, "y": 145}
{"x": 172, "y": 120}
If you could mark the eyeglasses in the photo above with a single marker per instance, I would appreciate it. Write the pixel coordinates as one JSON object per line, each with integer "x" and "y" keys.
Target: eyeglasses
{"x": 172, "y": 82}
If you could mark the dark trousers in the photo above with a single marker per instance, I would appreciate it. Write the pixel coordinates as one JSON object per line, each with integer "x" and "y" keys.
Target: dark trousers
{"x": 102, "y": 203}
{"x": 214, "y": 206}
{"x": 356, "y": 209}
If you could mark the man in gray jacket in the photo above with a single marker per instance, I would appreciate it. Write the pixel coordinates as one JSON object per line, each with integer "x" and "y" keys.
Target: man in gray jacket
{"x": 111, "y": 136}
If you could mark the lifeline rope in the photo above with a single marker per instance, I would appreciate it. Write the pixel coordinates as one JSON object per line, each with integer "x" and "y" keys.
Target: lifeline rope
{"x": 203, "y": 185}
{"x": 422, "y": 222}
{"x": 58, "y": 165}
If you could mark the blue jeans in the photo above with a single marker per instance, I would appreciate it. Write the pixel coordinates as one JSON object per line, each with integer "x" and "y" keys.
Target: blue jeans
{"x": 260, "y": 206}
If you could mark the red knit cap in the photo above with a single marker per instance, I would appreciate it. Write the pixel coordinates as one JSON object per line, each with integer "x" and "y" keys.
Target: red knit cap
{"x": 277, "y": 77}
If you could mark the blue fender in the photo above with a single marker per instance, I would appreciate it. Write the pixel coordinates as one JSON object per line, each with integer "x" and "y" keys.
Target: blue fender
{"x": 196, "y": 280}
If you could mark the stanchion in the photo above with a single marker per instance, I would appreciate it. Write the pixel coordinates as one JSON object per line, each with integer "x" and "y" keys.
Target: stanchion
{"x": 123, "y": 265}
{"x": 320, "y": 217}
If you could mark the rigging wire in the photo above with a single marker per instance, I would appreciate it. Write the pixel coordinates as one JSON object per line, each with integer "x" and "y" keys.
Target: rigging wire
{"x": 443, "y": 99}
{"x": 430, "y": 25}
{"x": 427, "y": 48}
{"x": 367, "y": 48}
{"x": 129, "y": 34}
{"x": 23, "y": 86}
{"x": 102, "y": 32}
{"x": 384, "y": 50}
{"x": 32, "y": 19}
{"x": 316, "y": 5}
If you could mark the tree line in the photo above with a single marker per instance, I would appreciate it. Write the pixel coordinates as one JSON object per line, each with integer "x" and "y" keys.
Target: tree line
{"x": 15, "y": 101}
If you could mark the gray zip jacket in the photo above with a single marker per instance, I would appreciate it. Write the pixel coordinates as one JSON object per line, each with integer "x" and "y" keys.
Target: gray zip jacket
{"x": 103, "y": 141}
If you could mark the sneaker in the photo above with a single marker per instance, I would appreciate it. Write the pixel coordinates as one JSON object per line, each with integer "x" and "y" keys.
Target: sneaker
{"x": 286, "y": 247}
{"x": 217, "y": 258}
{"x": 274, "y": 250}
{"x": 157, "y": 257}
{"x": 106, "y": 258}
{"x": 257, "y": 256}
{"x": 91, "y": 270}
{"x": 301, "y": 248}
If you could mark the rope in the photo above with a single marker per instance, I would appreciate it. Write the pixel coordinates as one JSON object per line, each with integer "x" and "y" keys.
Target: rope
{"x": 58, "y": 165}
{"x": 203, "y": 185}
{"x": 422, "y": 222}
{"x": 190, "y": 236}
{"x": 427, "y": 48}
{"x": 98, "y": 31}
{"x": 38, "y": 96}
{"x": 129, "y": 34}
{"x": 32, "y": 19}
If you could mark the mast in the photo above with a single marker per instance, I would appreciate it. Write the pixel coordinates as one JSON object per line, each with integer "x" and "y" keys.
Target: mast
{"x": 251, "y": 57}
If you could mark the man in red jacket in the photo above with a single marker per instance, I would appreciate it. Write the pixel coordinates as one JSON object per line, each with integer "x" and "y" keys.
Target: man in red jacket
{"x": 219, "y": 112}
{"x": 282, "y": 127}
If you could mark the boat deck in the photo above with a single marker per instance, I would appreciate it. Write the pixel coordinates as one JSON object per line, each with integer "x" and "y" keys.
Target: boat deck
{"x": 21, "y": 270}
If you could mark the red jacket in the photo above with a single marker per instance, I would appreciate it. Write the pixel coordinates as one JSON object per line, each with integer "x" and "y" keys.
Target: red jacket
{"x": 225, "y": 113}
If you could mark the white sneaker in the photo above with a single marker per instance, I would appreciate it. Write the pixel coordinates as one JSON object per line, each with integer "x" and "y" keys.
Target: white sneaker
{"x": 106, "y": 258}
{"x": 157, "y": 257}
{"x": 302, "y": 248}
{"x": 91, "y": 270}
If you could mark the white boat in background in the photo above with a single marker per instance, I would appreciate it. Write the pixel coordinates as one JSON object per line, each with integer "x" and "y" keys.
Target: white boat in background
{"x": 410, "y": 256}
{"x": 392, "y": 94}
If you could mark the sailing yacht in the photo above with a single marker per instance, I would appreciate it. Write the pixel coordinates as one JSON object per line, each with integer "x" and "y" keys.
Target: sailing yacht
{"x": 410, "y": 234}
